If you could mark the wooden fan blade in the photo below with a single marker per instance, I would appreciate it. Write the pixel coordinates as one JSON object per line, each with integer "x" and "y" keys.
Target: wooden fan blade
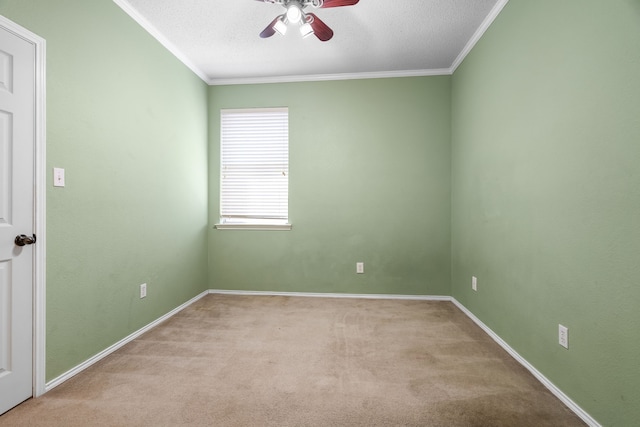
{"x": 320, "y": 29}
{"x": 269, "y": 31}
{"x": 338, "y": 3}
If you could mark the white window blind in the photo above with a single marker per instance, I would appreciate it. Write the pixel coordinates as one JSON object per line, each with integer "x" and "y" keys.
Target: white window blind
{"x": 254, "y": 166}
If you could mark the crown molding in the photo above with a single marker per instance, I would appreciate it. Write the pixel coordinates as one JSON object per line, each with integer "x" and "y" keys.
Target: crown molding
{"x": 151, "y": 29}
{"x": 155, "y": 33}
{"x": 330, "y": 77}
{"x": 479, "y": 33}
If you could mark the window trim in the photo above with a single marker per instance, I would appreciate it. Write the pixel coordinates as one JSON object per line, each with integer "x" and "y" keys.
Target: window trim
{"x": 238, "y": 223}
{"x": 260, "y": 227}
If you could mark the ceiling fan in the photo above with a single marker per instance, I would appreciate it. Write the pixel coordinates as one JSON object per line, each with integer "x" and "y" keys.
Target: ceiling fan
{"x": 309, "y": 22}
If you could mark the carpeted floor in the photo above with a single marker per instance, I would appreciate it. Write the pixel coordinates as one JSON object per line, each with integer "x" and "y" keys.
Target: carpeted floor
{"x": 293, "y": 361}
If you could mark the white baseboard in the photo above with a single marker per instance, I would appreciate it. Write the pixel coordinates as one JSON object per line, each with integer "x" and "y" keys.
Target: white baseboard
{"x": 104, "y": 353}
{"x": 539, "y": 376}
{"x": 544, "y": 380}
{"x": 333, "y": 295}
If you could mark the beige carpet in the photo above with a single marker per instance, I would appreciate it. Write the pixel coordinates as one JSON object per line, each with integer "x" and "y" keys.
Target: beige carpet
{"x": 287, "y": 361}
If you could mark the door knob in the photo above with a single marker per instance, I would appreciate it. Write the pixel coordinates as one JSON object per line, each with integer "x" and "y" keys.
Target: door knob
{"x": 22, "y": 240}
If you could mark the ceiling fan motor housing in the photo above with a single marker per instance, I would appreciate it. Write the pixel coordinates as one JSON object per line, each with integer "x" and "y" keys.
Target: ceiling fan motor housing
{"x": 309, "y": 23}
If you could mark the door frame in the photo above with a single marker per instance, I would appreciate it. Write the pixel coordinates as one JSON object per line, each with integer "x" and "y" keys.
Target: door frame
{"x": 39, "y": 225}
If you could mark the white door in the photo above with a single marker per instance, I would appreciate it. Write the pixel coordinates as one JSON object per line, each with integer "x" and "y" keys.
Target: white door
{"x": 17, "y": 145}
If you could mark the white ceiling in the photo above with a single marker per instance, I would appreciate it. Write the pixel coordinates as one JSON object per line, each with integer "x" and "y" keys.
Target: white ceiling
{"x": 219, "y": 39}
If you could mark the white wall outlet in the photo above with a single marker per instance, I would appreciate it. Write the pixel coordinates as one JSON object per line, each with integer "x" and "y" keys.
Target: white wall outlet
{"x": 58, "y": 177}
{"x": 474, "y": 283}
{"x": 563, "y": 336}
{"x": 143, "y": 290}
{"x": 360, "y": 267}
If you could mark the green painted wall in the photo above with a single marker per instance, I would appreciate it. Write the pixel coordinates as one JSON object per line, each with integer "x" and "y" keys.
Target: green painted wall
{"x": 521, "y": 170}
{"x": 369, "y": 181}
{"x": 128, "y": 123}
{"x": 546, "y": 193}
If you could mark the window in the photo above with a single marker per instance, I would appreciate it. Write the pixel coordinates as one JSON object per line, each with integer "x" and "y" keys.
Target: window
{"x": 254, "y": 178}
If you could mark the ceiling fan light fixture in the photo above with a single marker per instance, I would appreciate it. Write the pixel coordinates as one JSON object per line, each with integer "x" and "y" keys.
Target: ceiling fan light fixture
{"x": 280, "y": 27}
{"x": 308, "y": 23}
{"x": 294, "y": 13}
{"x": 306, "y": 30}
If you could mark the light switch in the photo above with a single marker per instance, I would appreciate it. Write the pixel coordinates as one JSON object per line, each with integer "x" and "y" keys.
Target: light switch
{"x": 58, "y": 177}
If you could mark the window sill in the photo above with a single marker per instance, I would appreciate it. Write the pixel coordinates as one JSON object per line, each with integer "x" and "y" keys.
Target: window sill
{"x": 262, "y": 227}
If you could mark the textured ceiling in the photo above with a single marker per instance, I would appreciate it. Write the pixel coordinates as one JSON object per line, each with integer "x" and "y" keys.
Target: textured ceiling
{"x": 218, "y": 39}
